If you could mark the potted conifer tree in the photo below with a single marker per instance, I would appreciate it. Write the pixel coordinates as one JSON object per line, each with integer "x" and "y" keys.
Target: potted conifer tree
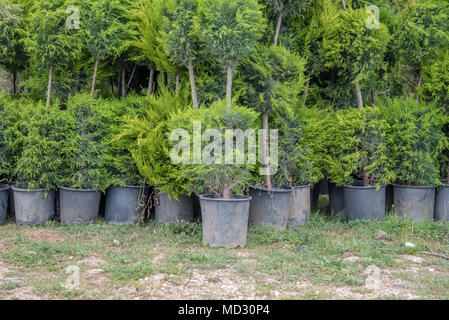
{"x": 296, "y": 167}
{"x": 85, "y": 176}
{"x": 150, "y": 151}
{"x": 43, "y": 134}
{"x": 223, "y": 171}
{"x": 274, "y": 78}
{"x": 362, "y": 165}
{"x": 415, "y": 138}
{"x": 127, "y": 197}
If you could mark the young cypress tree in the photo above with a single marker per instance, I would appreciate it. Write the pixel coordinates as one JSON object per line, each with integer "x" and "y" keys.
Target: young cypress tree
{"x": 229, "y": 30}
{"x": 104, "y": 31}
{"x": 283, "y": 9}
{"x": 146, "y": 41}
{"x": 275, "y": 78}
{"x": 424, "y": 30}
{"x": 12, "y": 55}
{"x": 50, "y": 42}
{"x": 180, "y": 39}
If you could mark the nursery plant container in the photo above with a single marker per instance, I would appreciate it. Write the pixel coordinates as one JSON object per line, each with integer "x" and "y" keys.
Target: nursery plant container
{"x": 79, "y": 206}
{"x": 196, "y": 207}
{"x": 324, "y": 186}
{"x": 124, "y": 205}
{"x": 4, "y": 195}
{"x": 364, "y": 203}
{"x": 32, "y": 207}
{"x": 314, "y": 196}
{"x": 442, "y": 203}
{"x": 336, "y": 199}
{"x": 169, "y": 211}
{"x": 389, "y": 198}
{"x": 269, "y": 207}
{"x": 225, "y": 221}
{"x": 11, "y": 209}
{"x": 416, "y": 202}
{"x": 299, "y": 206}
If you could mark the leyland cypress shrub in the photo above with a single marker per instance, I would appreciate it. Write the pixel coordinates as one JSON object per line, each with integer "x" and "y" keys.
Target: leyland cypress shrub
{"x": 43, "y": 133}
{"x": 415, "y": 139}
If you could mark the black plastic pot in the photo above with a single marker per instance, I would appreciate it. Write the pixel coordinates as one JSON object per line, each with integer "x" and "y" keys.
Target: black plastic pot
{"x": 442, "y": 204}
{"x": 415, "y": 202}
{"x": 389, "y": 198}
{"x": 299, "y": 206}
{"x": 11, "y": 209}
{"x": 4, "y": 195}
{"x": 79, "y": 206}
{"x": 324, "y": 186}
{"x": 314, "y": 196}
{"x": 125, "y": 205}
{"x": 269, "y": 207}
{"x": 196, "y": 207}
{"x": 225, "y": 221}
{"x": 364, "y": 203}
{"x": 171, "y": 210}
{"x": 32, "y": 207}
{"x": 336, "y": 199}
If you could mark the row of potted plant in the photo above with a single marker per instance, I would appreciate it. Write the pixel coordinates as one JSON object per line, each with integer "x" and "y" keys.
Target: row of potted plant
{"x": 89, "y": 146}
{"x": 401, "y": 143}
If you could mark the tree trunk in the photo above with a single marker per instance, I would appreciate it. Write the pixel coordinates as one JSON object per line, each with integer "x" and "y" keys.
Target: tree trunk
{"x": 123, "y": 82}
{"x": 14, "y": 79}
{"x": 111, "y": 80}
{"x": 344, "y": 4}
{"x": 94, "y": 78}
{"x": 266, "y": 153}
{"x": 365, "y": 178}
{"x": 278, "y": 29}
{"x": 306, "y": 92}
{"x": 177, "y": 81}
{"x": 227, "y": 192}
{"x": 419, "y": 86}
{"x": 50, "y": 77}
{"x": 192, "y": 84}
{"x": 150, "y": 82}
{"x": 229, "y": 89}
{"x": 373, "y": 97}
{"x": 131, "y": 78}
{"x": 359, "y": 94}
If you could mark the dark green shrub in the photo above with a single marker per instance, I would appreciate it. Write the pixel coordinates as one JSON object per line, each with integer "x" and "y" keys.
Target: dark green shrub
{"x": 296, "y": 159}
{"x": 11, "y": 111}
{"x": 214, "y": 174}
{"x": 148, "y": 143}
{"x": 43, "y": 133}
{"x": 415, "y": 140}
{"x": 119, "y": 163}
{"x": 85, "y": 148}
{"x": 358, "y": 147}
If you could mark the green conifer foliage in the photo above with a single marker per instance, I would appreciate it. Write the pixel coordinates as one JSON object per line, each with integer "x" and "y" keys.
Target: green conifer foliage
{"x": 229, "y": 30}
{"x": 50, "y": 43}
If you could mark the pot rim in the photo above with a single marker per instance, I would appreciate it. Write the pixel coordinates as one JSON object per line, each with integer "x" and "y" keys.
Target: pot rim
{"x": 412, "y": 187}
{"x": 4, "y": 186}
{"x": 280, "y": 189}
{"x": 382, "y": 186}
{"x": 29, "y": 190}
{"x": 130, "y": 187}
{"x": 78, "y": 190}
{"x": 302, "y": 186}
{"x": 236, "y": 198}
